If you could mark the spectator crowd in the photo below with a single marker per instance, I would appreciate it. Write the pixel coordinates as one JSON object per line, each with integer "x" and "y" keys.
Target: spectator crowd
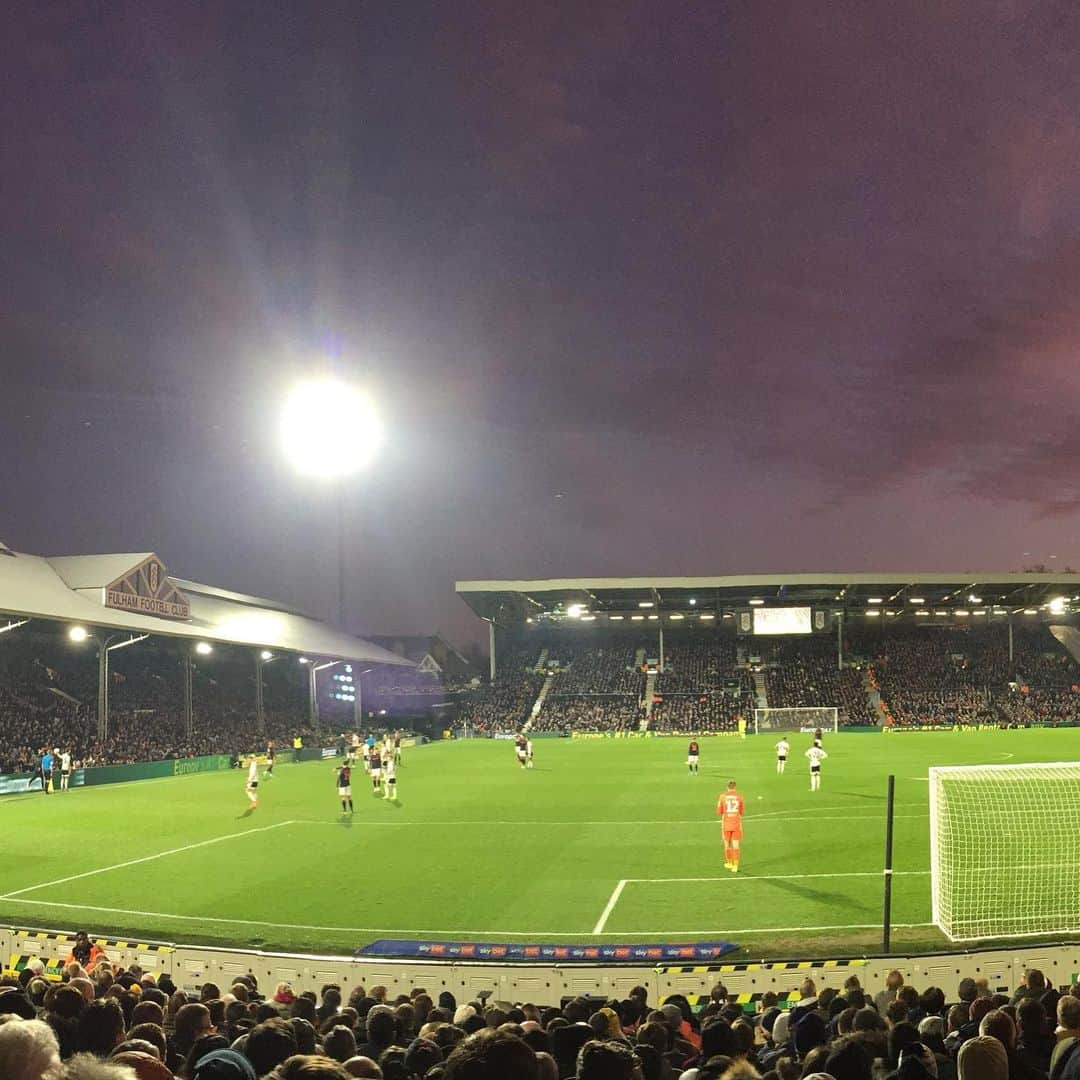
{"x": 105, "y": 1022}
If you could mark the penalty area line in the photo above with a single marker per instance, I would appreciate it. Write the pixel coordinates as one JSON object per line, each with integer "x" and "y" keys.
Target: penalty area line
{"x": 496, "y": 935}
{"x": 144, "y": 859}
{"x": 612, "y": 901}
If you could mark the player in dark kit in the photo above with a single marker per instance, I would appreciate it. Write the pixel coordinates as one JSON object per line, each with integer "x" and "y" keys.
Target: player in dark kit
{"x": 269, "y": 761}
{"x": 521, "y": 749}
{"x": 817, "y": 737}
{"x": 375, "y": 768}
{"x": 692, "y": 757}
{"x": 344, "y": 787}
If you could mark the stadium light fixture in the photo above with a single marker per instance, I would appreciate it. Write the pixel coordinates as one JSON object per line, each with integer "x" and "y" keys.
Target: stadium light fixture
{"x": 980, "y": 611}
{"x": 575, "y": 611}
{"x": 1030, "y": 611}
{"x": 922, "y": 611}
{"x": 653, "y": 617}
{"x": 329, "y": 428}
{"x": 1057, "y": 605}
{"x": 78, "y": 633}
{"x": 875, "y": 600}
{"x": 872, "y": 613}
{"x": 266, "y": 654}
{"x": 13, "y": 625}
{"x": 961, "y": 612}
{"x": 204, "y": 648}
{"x": 693, "y": 602}
{"x": 637, "y": 618}
{"x": 304, "y": 660}
{"x": 676, "y": 616}
{"x": 645, "y": 603}
{"x": 941, "y": 613}
{"x": 588, "y": 618}
{"x": 916, "y": 599}
{"x": 756, "y": 602}
{"x": 707, "y": 615}
{"x": 529, "y": 619}
{"x": 615, "y": 618}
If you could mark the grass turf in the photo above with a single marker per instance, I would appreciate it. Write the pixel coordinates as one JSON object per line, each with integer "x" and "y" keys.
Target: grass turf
{"x": 477, "y": 848}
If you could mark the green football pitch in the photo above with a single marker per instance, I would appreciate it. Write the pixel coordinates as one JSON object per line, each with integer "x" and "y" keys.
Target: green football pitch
{"x": 605, "y": 839}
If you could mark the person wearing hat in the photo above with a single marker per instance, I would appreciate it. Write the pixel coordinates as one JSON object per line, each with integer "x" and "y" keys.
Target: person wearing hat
{"x": 223, "y": 1065}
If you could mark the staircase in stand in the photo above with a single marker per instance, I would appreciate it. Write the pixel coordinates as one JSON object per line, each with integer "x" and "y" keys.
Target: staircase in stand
{"x": 541, "y": 660}
{"x": 647, "y": 701}
{"x": 538, "y": 704}
{"x": 761, "y": 690}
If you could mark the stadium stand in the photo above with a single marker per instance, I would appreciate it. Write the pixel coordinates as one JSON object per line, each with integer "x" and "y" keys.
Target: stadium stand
{"x": 111, "y": 1023}
{"x": 803, "y": 673}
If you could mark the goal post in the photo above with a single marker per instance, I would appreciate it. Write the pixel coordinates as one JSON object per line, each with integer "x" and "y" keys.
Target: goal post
{"x": 808, "y": 719}
{"x": 1004, "y": 850}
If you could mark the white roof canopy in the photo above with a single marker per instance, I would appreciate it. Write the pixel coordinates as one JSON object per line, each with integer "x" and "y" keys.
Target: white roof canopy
{"x": 85, "y": 589}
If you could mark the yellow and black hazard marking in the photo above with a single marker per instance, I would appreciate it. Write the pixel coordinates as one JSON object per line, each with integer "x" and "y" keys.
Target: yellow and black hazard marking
{"x": 54, "y": 969}
{"x": 791, "y": 966}
{"x": 101, "y": 943}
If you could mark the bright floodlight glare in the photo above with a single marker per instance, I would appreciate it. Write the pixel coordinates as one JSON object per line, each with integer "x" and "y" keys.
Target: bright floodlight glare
{"x": 304, "y": 660}
{"x": 204, "y": 648}
{"x": 78, "y": 633}
{"x": 329, "y": 428}
{"x": 266, "y": 654}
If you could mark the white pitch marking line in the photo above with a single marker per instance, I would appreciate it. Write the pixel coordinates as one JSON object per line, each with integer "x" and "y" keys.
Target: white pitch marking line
{"x": 146, "y": 858}
{"x": 487, "y": 933}
{"x": 612, "y": 901}
{"x": 775, "y": 877}
{"x": 761, "y": 820}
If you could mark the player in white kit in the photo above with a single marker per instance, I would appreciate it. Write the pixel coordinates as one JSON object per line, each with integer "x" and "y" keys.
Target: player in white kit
{"x": 390, "y": 778}
{"x": 816, "y": 756}
{"x": 65, "y": 770}
{"x": 252, "y": 787}
{"x": 782, "y": 749}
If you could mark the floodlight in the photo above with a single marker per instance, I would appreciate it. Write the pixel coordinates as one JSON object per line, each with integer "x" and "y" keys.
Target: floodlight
{"x": 575, "y": 611}
{"x": 266, "y": 654}
{"x": 204, "y": 648}
{"x": 645, "y": 603}
{"x": 757, "y": 603}
{"x": 304, "y": 660}
{"x": 1057, "y": 605}
{"x": 875, "y": 600}
{"x": 693, "y": 602}
{"x": 329, "y": 428}
{"x": 916, "y": 600}
{"x": 78, "y": 633}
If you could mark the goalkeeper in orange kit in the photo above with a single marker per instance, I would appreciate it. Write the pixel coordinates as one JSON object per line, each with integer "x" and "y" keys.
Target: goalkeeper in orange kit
{"x": 730, "y": 807}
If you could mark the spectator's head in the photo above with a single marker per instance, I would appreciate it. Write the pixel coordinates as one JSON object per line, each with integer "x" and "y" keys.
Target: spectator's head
{"x": 849, "y": 1060}
{"x": 717, "y": 1037}
{"x": 145, "y": 1065}
{"x": 224, "y": 1065}
{"x": 967, "y": 991}
{"x": 1035, "y": 980}
{"x": 1000, "y": 1025}
{"x": 893, "y": 981}
{"x": 982, "y": 1058}
{"x": 192, "y": 1022}
{"x": 917, "y": 1062}
{"x": 340, "y": 1044}
{"x": 28, "y": 1051}
{"x": 152, "y": 1034}
{"x": 306, "y": 1037}
{"x": 148, "y": 1012}
{"x": 491, "y": 1054}
{"x": 382, "y": 1028}
{"x": 1030, "y": 1019}
{"x": 959, "y": 1015}
{"x": 1068, "y": 1013}
{"x": 269, "y": 1044}
{"x": 605, "y": 1060}
{"x": 101, "y": 1027}
{"x": 363, "y": 1067}
{"x": 421, "y": 1055}
{"x": 979, "y": 1008}
{"x": 901, "y": 1035}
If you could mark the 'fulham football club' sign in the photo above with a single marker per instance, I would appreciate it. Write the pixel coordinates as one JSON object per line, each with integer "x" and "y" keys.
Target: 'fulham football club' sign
{"x": 147, "y": 590}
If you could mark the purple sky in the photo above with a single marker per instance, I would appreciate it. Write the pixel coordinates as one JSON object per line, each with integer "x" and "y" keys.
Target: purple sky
{"x": 643, "y": 287}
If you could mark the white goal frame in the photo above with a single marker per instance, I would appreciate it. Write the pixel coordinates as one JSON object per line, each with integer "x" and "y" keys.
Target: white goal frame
{"x": 804, "y": 719}
{"x": 1003, "y": 861}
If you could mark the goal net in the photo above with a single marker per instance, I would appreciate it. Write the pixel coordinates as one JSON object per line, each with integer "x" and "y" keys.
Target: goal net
{"x": 766, "y": 720}
{"x": 1004, "y": 856}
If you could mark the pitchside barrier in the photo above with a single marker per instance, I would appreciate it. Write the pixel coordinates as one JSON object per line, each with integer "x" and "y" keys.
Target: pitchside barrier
{"x": 190, "y": 966}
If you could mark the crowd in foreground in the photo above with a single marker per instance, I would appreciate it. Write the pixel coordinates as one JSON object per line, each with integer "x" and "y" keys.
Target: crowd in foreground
{"x": 104, "y": 1022}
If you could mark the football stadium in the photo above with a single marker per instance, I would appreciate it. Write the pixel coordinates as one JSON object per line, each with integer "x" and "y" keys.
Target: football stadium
{"x": 172, "y": 781}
